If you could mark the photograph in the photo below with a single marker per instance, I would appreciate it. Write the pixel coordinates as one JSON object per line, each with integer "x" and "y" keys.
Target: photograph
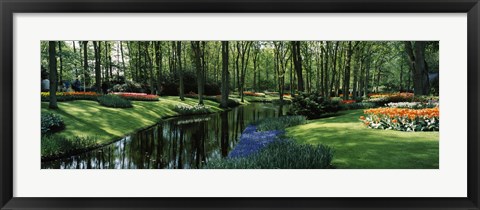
{"x": 239, "y": 104}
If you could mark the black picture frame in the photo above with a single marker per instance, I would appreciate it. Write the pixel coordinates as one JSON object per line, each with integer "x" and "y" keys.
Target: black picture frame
{"x": 10, "y": 7}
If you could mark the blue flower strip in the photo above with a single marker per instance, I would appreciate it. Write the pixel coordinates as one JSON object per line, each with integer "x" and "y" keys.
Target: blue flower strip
{"x": 252, "y": 141}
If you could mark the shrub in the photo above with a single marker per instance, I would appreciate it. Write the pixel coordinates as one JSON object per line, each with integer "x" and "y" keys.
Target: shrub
{"x": 55, "y": 146}
{"x": 114, "y": 101}
{"x": 280, "y": 154}
{"x": 51, "y": 123}
{"x": 360, "y": 105}
{"x": 280, "y": 123}
{"x": 403, "y": 119}
{"x": 128, "y": 86}
{"x": 211, "y": 89}
{"x": 186, "y": 109}
{"x": 312, "y": 105}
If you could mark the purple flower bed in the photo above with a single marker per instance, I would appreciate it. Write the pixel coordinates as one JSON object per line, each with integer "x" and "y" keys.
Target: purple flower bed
{"x": 252, "y": 141}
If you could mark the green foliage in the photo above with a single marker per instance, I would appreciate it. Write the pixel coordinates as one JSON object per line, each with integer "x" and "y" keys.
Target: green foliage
{"x": 312, "y": 105}
{"x": 280, "y": 154}
{"x": 51, "y": 123}
{"x": 55, "y": 146}
{"x": 185, "y": 109}
{"x": 114, "y": 101}
{"x": 280, "y": 123}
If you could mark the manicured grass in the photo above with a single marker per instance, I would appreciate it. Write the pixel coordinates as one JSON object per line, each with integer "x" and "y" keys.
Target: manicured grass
{"x": 90, "y": 119}
{"x": 358, "y": 147}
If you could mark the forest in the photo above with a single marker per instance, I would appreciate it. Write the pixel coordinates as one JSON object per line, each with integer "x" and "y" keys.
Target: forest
{"x": 327, "y": 67}
{"x": 374, "y": 85}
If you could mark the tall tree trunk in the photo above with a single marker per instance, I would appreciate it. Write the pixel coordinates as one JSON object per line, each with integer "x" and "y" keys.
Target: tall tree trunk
{"x": 75, "y": 61}
{"x": 367, "y": 77}
{"x": 199, "y": 69}
{"x": 334, "y": 67}
{"x": 86, "y": 79}
{"x": 123, "y": 60}
{"x": 180, "y": 70}
{"x": 225, "y": 76}
{"x": 418, "y": 68}
{"x": 325, "y": 71}
{"x": 346, "y": 78}
{"x": 98, "y": 76}
{"x": 109, "y": 63}
{"x": 61, "y": 62}
{"x": 106, "y": 67}
{"x": 158, "y": 62}
{"x": 150, "y": 68}
{"x": 297, "y": 61}
{"x": 53, "y": 75}
{"x": 422, "y": 85}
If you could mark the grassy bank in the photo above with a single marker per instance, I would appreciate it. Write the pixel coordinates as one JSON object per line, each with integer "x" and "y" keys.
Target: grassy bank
{"x": 90, "y": 119}
{"x": 359, "y": 147}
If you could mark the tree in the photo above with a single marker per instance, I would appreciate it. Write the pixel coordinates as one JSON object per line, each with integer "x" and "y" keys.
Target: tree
{"x": 53, "y": 75}
{"x": 196, "y": 48}
{"x": 158, "y": 63}
{"x": 86, "y": 77}
{"x": 180, "y": 70}
{"x": 98, "y": 76}
{"x": 61, "y": 61}
{"x": 280, "y": 51}
{"x": 418, "y": 67}
{"x": 297, "y": 61}
{"x": 243, "y": 51}
{"x": 225, "y": 76}
{"x": 346, "y": 78}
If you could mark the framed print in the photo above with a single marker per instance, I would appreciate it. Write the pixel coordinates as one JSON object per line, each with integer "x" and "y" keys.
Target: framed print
{"x": 239, "y": 105}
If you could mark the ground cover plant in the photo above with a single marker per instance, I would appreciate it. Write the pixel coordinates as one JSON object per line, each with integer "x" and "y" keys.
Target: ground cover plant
{"x": 273, "y": 156}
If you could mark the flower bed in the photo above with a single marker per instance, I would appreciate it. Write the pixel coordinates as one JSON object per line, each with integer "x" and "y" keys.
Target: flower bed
{"x": 186, "y": 109}
{"x": 70, "y": 96}
{"x": 413, "y": 105}
{"x": 347, "y": 101}
{"x": 138, "y": 96}
{"x": 252, "y": 141}
{"x": 384, "y": 98}
{"x": 402, "y": 119}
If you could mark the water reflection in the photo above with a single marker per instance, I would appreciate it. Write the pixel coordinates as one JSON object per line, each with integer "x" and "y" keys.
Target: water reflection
{"x": 178, "y": 143}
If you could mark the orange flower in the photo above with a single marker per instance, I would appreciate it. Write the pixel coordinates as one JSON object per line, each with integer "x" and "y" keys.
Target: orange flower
{"x": 362, "y": 117}
{"x": 394, "y": 121}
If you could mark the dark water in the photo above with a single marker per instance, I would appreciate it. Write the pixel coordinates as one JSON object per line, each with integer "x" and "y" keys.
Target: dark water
{"x": 177, "y": 143}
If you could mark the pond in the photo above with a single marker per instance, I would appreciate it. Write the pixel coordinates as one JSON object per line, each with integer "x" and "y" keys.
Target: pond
{"x": 178, "y": 143}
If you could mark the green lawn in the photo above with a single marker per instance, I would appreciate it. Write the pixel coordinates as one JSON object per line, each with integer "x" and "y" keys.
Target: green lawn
{"x": 88, "y": 118}
{"x": 357, "y": 146}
